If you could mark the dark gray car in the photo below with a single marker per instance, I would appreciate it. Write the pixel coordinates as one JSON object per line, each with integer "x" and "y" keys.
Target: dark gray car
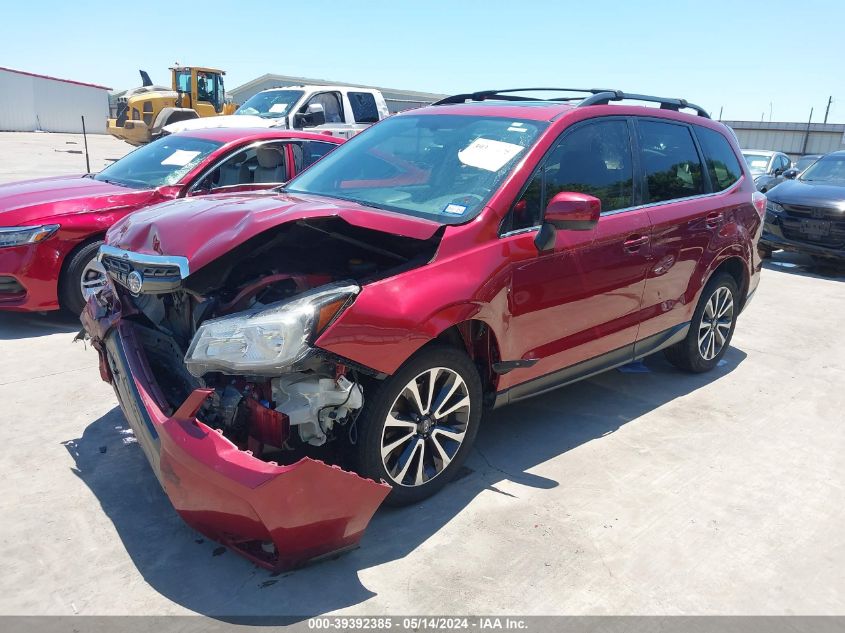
{"x": 766, "y": 167}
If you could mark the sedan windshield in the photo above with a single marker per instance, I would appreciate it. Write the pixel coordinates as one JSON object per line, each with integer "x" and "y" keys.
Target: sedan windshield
{"x": 829, "y": 169}
{"x": 162, "y": 162}
{"x": 757, "y": 163}
{"x": 805, "y": 161}
{"x": 442, "y": 167}
{"x": 272, "y": 104}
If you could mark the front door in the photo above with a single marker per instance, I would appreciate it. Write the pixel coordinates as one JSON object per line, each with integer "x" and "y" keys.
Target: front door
{"x": 577, "y": 308}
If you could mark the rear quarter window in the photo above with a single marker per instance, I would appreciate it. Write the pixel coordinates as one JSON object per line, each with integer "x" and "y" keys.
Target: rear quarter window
{"x": 722, "y": 163}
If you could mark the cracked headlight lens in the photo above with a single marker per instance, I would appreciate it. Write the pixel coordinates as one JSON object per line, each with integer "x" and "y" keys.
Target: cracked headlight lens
{"x": 267, "y": 340}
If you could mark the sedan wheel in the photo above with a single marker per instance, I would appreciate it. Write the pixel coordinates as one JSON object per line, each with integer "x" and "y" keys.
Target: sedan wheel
{"x": 93, "y": 279}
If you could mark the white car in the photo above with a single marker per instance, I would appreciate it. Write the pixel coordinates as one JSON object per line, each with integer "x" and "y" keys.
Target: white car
{"x": 340, "y": 110}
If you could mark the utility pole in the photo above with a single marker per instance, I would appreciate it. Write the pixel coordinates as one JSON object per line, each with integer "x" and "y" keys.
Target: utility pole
{"x": 827, "y": 110}
{"x": 720, "y": 112}
{"x": 770, "y": 111}
{"x": 807, "y": 135}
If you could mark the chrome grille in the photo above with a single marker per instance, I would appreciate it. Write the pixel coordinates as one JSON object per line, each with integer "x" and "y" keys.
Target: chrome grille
{"x": 158, "y": 273}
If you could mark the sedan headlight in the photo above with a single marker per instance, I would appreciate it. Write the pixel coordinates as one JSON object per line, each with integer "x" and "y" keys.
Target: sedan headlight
{"x": 266, "y": 340}
{"x": 18, "y": 235}
{"x": 773, "y": 207}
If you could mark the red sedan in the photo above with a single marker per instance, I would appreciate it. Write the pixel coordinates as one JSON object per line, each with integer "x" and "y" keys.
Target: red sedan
{"x": 52, "y": 228}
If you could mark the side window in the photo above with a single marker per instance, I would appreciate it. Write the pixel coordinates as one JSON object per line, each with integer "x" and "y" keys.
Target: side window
{"x": 785, "y": 162}
{"x": 594, "y": 159}
{"x": 331, "y": 105}
{"x": 720, "y": 158}
{"x": 306, "y": 153}
{"x": 670, "y": 161}
{"x": 255, "y": 165}
{"x": 363, "y": 107}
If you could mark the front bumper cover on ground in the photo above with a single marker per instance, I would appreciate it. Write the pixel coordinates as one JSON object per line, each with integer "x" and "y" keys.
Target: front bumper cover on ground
{"x": 279, "y": 517}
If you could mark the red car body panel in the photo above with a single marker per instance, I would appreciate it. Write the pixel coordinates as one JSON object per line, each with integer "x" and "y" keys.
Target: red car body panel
{"x": 86, "y": 208}
{"x": 230, "y": 220}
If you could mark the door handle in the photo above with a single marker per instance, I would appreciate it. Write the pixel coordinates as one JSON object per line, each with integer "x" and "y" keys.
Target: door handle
{"x": 713, "y": 220}
{"x": 634, "y": 242}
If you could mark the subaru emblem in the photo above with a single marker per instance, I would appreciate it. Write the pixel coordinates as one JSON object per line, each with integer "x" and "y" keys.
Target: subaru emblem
{"x": 135, "y": 281}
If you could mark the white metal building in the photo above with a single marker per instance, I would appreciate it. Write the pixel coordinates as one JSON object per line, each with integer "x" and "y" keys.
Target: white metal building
{"x": 30, "y": 102}
{"x": 795, "y": 139}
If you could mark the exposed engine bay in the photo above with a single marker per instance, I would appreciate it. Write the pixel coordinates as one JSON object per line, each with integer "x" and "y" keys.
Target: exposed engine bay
{"x": 244, "y": 326}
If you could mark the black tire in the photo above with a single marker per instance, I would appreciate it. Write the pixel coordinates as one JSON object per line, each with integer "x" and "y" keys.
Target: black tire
{"x": 377, "y": 406}
{"x": 70, "y": 295}
{"x": 687, "y": 355}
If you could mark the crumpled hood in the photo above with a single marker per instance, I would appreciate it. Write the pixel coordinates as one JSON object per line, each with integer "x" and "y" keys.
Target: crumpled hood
{"x": 808, "y": 193}
{"x": 204, "y": 228}
{"x": 224, "y": 120}
{"x": 29, "y": 200}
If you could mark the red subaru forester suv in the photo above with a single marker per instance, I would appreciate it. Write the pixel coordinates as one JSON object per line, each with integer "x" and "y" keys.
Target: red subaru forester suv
{"x": 461, "y": 256}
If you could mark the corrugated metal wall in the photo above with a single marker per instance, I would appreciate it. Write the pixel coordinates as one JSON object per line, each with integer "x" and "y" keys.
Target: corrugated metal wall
{"x": 33, "y": 103}
{"x": 790, "y": 137}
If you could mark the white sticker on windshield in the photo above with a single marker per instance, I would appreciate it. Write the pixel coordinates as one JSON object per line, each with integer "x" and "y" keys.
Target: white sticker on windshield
{"x": 488, "y": 154}
{"x": 278, "y": 107}
{"x": 180, "y": 158}
{"x": 759, "y": 163}
{"x": 455, "y": 209}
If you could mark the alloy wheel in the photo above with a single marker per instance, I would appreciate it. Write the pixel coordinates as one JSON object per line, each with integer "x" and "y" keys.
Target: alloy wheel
{"x": 425, "y": 427}
{"x": 93, "y": 279}
{"x": 716, "y": 322}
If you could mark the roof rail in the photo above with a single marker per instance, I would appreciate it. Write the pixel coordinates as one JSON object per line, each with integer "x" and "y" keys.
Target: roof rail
{"x": 505, "y": 95}
{"x": 603, "y": 98}
{"x": 598, "y": 96}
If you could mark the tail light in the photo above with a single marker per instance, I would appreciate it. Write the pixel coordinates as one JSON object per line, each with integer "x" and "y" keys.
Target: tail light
{"x": 759, "y": 202}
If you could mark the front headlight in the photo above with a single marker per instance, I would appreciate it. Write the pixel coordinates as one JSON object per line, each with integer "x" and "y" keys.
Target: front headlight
{"x": 267, "y": 340}
{"x": 773, "y": 207}
{"x": 17, "y": 235}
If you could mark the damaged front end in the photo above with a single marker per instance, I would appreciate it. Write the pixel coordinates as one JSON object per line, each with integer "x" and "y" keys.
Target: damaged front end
{"x": 244, "y": 421}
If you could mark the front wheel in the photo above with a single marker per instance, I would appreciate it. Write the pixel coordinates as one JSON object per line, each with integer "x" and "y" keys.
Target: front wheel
{"x": 82, "y": 277}
{"x": 417, "y": 428}
{"x": 711, "y": 329}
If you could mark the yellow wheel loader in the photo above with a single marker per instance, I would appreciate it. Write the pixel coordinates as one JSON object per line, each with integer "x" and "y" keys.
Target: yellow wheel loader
{"x": 142, "y": 112}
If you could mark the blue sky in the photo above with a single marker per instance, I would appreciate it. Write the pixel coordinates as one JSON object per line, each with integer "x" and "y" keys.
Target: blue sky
{"x": 742, "y": 56}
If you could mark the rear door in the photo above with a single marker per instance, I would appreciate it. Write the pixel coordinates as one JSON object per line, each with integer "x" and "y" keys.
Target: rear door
{"x": 687, "y": 212}
{"x": 579, "y": 303}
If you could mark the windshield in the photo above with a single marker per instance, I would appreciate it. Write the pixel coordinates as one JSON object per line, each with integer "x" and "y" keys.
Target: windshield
{"x": 162, "y": 162}
{"x": 757, "y": 163}
{"x": 272, "y": 104}
{"x": 805, "y": 161}
{"x": 442, "y": 167}
{"x": 830, "y": 169}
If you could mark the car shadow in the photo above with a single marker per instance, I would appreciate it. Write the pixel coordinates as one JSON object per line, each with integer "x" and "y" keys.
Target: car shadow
{"x": 805, "y": 266}
{"x": 17, "y": 325}
{"x": 202, "y": 576}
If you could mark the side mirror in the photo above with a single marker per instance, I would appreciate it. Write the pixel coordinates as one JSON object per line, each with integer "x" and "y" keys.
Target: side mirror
{"x": 778, "y": 171}
{"x": 791, "y": 174}
{"x": 313, "y": 116}
{"x": 568, "y": 211}
{"x": 572, "y": 211}
{"x": 169, "y": 191}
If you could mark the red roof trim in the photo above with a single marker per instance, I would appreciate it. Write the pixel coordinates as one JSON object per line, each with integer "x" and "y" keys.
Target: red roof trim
{"x": 67, "y": 81}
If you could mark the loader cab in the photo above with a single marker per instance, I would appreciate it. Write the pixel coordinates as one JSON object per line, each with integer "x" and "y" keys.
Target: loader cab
{"x": 199, "y": 88}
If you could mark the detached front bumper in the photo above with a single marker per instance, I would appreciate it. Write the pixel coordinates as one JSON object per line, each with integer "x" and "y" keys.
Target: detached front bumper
{"x": 277, "y": 516}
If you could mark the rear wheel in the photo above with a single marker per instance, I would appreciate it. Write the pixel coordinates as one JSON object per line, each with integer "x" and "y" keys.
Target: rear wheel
{"x": 82, "y": 277}
{"x": 417, "y": 428}
{"x": 711, "y": 329}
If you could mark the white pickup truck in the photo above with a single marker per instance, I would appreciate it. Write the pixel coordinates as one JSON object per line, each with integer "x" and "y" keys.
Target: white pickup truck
{"x": 342, "y": 111}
